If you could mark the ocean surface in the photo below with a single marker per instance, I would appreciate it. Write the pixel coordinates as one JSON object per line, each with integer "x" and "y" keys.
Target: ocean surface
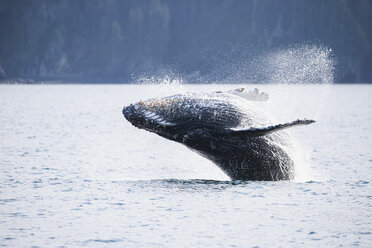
{"x": 74, "y": 172}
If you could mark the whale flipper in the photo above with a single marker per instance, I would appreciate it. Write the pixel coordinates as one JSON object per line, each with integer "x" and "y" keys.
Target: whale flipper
{"x": 255, "y": 132}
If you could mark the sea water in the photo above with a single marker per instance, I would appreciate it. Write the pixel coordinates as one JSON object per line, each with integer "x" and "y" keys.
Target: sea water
{"x": 74, "y": 172}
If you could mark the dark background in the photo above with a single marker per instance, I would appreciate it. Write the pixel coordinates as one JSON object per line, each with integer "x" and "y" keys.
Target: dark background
{"x": 114, "y": 40}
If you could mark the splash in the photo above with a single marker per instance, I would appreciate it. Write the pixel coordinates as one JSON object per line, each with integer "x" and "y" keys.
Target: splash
{"x": 165, "y": 80}
{"x": 163, "y": 83}
{"x": 297, "y": 64}
{"x": 302, "y": 64}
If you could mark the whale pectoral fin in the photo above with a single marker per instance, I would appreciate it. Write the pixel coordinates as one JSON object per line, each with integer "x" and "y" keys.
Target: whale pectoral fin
{"x": 255, "y": 132}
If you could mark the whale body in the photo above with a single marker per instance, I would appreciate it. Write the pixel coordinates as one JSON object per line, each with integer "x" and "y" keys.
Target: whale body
{"x": 224, "y": 127}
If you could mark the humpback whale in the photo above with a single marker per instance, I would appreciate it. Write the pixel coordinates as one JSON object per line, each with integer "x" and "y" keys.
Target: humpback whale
{"x": 224, "y": 127}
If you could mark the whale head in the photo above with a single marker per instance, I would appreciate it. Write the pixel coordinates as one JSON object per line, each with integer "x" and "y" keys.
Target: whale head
{"x": 149, "y": 115}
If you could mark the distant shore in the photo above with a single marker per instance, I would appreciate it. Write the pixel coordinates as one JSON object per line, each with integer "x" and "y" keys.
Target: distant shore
{"x": 98, "y": 80}
{"x": 63, "y": 80}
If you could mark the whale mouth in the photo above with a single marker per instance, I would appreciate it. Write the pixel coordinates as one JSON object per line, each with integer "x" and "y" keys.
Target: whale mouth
{"x": 156, "y": 118}
{"x": 141, "y": 116}
{"x": 127, "y": 112}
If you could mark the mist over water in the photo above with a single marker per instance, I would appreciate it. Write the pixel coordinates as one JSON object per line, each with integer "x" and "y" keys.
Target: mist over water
{"x": 302, "y": 64}
{"x": 296, "y": 64}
